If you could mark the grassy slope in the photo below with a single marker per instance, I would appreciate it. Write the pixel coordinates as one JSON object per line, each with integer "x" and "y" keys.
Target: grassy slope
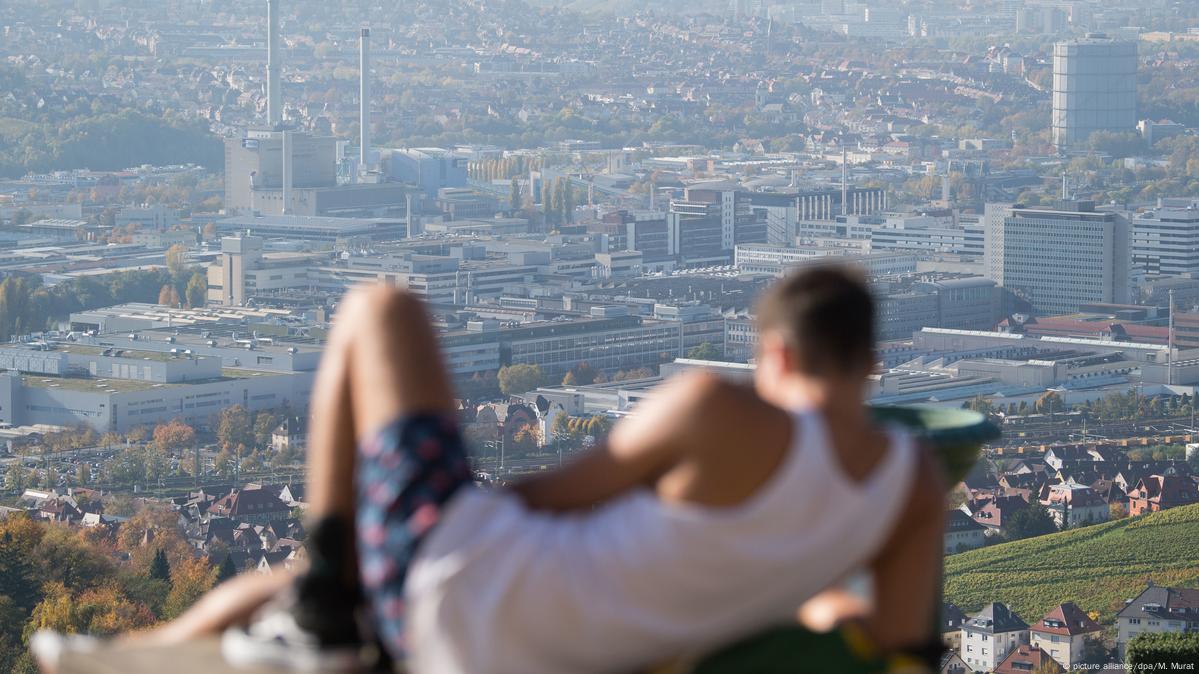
{"x": 1097, "y": 567}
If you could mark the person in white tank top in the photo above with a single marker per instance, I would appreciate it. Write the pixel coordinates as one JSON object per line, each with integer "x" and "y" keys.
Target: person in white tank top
{"x": 715, "y": 511}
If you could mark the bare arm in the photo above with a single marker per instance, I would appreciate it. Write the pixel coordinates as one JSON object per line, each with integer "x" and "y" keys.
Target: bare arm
{"x": 907, "y": 572}
{"x": 230, "y": 603}
{"x": 684, "y": 417}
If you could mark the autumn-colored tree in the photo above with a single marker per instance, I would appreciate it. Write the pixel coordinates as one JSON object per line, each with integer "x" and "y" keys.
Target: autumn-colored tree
{"x": 264, "y": 425}
{"x": 104, "y": 611}
{"x": 224, "y": 463}
{"x": 209, "y": 231}
{"x": 177, "y": 260}
{"x": 190, "y": 580}
{"x": 173, "y": 435}
{"x": 580, "y": 375}
{"x": 196, "y": 293}
{"x": 234, "y": 428}
{"x": 168, "y": 296}
{"x": 526, "y": 439}
{"x": 520, "y": 378}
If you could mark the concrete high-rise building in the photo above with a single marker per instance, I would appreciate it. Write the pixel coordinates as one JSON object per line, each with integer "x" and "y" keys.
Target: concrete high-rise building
{"x": 227, "y": 281}
{"x": 1058, "y": 259}
{"x": 1166, "y": 241}
{"x": 1094, "y": 89}
{"x": 257, "y": 168}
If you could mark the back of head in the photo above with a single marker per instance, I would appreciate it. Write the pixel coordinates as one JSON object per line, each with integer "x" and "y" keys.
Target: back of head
{"x": 825, "y": 317}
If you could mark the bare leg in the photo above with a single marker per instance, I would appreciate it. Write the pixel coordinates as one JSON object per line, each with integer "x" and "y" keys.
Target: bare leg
{"x": 381, "y": 362}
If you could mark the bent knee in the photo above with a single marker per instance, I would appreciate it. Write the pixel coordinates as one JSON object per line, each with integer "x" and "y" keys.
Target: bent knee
{"x": 379, "y": 302}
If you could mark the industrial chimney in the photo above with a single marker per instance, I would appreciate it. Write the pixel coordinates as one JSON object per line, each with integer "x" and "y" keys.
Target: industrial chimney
{"x": 274, "y": 92}
{"x": 364, "y": 100}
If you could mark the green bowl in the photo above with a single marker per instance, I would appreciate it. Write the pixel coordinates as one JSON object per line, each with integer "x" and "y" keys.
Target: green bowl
{"x": 955, "y": 435}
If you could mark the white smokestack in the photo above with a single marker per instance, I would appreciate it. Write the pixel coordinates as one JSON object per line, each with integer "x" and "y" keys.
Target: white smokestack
{"x": 364, "y": 99}
{"x": 274, "y": 91}
{"x": 286, "y": 172}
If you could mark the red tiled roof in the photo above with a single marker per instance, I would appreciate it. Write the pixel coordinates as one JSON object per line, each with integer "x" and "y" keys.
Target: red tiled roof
{"x": 1067, "y": 620}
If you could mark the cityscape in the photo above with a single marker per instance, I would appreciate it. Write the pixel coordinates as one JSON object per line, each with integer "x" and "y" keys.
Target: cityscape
{"x": 590, "y": 196}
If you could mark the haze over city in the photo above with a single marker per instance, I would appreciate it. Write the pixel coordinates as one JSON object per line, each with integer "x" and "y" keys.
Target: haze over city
{"x": 591, "y": 199}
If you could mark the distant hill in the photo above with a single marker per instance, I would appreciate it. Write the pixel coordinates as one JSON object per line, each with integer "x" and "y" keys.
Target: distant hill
{"x": 1097, "y": 567}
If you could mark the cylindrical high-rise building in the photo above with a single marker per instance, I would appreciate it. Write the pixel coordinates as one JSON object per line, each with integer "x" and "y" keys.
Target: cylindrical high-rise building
{"x": 1094, "y": 89}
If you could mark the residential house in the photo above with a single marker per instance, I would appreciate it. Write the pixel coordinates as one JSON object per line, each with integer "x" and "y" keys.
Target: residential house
{"x": 952, "y": 618}
{"x": 990, "y": 636}
{"x": 290, "y": 434}
{"x": 1155, "y": 493}
{"x": 1157, "y": 609}
{"x": 962, "y": 532}
{"x": 1063, "y": 633}
{"x": 952, "y": 663}
{"x": 995, "y": 514}
{"x": 1072, "y": 504}
{"x": 1025, "y": 659}
{"x": 256, "y": 504}
{"x": 1056, "y": 457}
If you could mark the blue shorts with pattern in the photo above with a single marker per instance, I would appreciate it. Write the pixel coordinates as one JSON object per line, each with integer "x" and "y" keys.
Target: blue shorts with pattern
{"x": 406, "y": 474}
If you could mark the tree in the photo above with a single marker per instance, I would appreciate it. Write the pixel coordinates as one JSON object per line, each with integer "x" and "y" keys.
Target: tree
{"x": 519, "y": 378}
{"x": 209, "y": 231}
{"x": 1034, "y": 520}
{"x": 168, "y": 296}
{"x": 173, "y": 435}
{"x": 568, "y": 202}
{"x": 514, "y": 202}
{"x": 525, "y": 440}
{"x": 978, "y": 404}
{"x": 224, "y": 463}
{"x": 705, "y": 351}
{"x": 580, "y": 375}
{"x": 177, "y": 260}
{"x": 264, "y": 426}
{"x": 193, "y": 578}
{"x": 16, "y": 478}
{"x": 226, "y": 570}
{"x": 197, "y": 290}
{"x": 1117, "y": 143}
{"x": 160, "y": 568}
{"x": 1049, "y": 403}
{"x": 233, "y": 428}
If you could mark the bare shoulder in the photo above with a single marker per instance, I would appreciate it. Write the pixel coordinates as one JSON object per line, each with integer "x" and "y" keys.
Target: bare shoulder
{"x": 716, "y": 407}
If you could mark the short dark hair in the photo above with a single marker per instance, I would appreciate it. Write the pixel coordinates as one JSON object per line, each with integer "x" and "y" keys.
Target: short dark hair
{"x": 825, "y": 315}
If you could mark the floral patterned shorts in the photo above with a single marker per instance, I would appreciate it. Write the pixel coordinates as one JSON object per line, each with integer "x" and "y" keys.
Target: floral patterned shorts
{"x": 406, "y": 474}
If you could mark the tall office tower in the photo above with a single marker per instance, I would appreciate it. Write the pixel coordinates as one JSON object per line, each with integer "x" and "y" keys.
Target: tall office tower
{"x": 710, "y": 221}
{"x": 1166, "y": 241}
{"x": 1058, "y": 259}
{"x": 1094, "y": 89}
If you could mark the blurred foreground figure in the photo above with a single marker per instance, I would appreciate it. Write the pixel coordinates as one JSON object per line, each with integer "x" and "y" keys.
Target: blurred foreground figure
{"x": 715, "y": 512}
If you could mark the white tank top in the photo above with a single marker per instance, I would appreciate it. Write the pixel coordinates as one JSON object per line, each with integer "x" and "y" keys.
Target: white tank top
{"x": 497, "y": 588}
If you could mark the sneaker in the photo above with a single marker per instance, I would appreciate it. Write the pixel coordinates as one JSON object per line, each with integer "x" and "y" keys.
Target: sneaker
{"x": 280, "y": 636}
{"x": 49, "y": 646}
